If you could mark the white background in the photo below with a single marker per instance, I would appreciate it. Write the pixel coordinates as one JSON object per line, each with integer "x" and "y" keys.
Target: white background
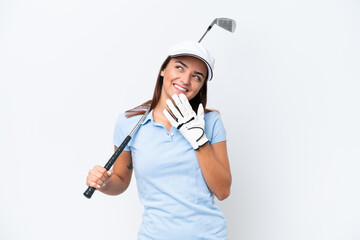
{"x": 286, "y": 83}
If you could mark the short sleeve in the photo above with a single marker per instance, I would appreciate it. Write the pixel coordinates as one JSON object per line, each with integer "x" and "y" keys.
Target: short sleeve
{"x": 214, "y": 128}
{"x": 119, "y": 135}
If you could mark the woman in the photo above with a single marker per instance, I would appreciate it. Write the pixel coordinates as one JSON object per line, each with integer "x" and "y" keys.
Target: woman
{"x": 178, "y": 154}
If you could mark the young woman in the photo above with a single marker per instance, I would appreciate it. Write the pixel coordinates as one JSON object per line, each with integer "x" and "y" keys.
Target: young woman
{"x": 178, "y": 154}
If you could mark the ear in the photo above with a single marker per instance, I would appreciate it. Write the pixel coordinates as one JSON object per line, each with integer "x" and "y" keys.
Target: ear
{"x": 162, "y": 73}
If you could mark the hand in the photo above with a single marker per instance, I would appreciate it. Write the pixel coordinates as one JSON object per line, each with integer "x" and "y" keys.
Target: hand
{"x": 190, "y": 124}
{"x": 98, "y": 177}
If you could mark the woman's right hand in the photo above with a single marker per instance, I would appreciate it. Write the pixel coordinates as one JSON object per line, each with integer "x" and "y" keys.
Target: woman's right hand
{"x": 98, "y": 177}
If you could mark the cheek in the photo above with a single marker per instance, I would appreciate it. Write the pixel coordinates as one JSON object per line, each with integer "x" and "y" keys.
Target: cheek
{"x": 173, "y": 74}
{"x": 197, "y": 86}
{"x": 169, "y": 75}
{"x": 195, "y": 90}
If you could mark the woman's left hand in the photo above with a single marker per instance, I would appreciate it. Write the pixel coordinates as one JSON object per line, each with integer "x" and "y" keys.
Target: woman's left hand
{"x": 190, "y": 124}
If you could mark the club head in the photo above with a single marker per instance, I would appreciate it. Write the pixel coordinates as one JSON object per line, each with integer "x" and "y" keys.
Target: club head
{"x": 226, "y": 23}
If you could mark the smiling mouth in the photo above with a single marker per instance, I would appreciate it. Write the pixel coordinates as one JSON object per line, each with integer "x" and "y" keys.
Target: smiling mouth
{"x": 180, "y": 88}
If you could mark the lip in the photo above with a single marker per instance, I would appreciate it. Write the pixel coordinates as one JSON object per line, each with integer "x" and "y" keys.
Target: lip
{"x": 179, "y": 90}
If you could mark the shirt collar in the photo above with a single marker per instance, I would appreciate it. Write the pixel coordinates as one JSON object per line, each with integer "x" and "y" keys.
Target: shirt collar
{"x": 149, "y": 117}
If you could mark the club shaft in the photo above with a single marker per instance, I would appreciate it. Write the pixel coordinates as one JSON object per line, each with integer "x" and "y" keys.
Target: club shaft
{"x": 208, "y": 29}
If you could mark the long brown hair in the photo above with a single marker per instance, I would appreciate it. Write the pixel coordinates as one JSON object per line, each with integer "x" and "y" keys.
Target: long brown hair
{"x": 201, "y": 97}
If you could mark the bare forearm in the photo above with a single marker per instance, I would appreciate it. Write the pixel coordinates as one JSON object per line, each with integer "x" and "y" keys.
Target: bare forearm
{"x": 115, "y": 186}
{"x": 217, "y": 177}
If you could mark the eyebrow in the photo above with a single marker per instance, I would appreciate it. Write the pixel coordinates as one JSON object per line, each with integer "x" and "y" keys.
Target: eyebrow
{"x": 188, "y": 67}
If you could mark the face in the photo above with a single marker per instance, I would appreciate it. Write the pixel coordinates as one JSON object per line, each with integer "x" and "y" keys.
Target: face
{"x": 185, "y": 75}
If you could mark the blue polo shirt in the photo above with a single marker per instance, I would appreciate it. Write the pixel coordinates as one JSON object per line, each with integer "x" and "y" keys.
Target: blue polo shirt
{"x": 177, "y": 202}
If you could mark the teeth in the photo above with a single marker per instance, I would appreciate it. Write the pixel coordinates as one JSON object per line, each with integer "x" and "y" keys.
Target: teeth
{"x": 180, "y": 88}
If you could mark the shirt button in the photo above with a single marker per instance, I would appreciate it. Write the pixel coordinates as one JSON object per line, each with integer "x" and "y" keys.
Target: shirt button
{"x": 172, "y": 134}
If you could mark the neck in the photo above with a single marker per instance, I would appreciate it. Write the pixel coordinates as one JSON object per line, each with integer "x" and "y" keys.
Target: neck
{"x": 159, "y": 108}
{"x": 158, "y": 114}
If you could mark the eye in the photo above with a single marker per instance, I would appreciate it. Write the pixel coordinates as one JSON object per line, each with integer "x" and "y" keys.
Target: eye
{"x": 197, "y": 77}
{"x": 179, "y": 67}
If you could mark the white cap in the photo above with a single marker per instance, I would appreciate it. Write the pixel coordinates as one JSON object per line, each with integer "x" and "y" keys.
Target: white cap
{"x": 194, "y": 49}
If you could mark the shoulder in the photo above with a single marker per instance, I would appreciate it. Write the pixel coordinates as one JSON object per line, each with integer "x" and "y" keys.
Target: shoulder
{"x": 214, "y": 128}
{"x": 126, "y": 123}
{"x": 212, "y": 117}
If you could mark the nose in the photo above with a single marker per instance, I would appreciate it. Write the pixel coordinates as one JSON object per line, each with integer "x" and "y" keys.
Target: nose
{"x": 186, "y": 79}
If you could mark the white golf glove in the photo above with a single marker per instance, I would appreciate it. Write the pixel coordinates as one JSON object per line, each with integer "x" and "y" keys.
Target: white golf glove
{"x": 191, "y": 126}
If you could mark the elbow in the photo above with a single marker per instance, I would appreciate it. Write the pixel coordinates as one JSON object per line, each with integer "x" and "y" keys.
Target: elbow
{"x": 225, "y": 192}
{"x": 223, "y": 195}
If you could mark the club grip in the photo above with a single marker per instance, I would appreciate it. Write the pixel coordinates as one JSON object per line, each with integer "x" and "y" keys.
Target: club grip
{"x": 90, "y": 190}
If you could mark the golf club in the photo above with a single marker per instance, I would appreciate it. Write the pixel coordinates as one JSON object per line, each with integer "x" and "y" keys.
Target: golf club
{"x": 90, "y": 190}
{"x": 225, "y": 23}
